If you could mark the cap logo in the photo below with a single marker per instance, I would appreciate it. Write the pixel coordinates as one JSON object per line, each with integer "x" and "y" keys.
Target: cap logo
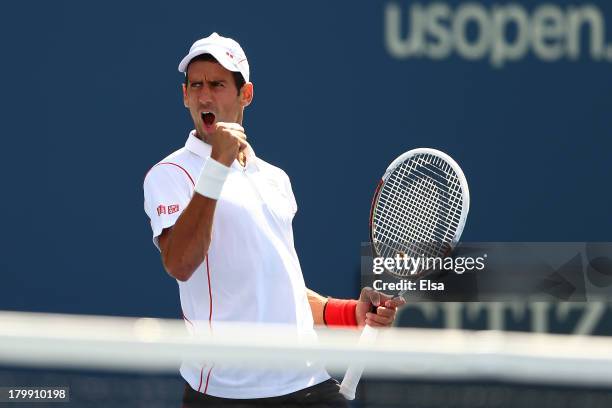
{"x": 229, "y": 54}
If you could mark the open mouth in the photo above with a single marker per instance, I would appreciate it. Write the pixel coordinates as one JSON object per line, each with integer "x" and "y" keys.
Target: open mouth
{"x": 208, "y": 118}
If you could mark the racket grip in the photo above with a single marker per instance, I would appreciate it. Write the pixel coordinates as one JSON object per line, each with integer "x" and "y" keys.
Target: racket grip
{"x": 353, "y": 374}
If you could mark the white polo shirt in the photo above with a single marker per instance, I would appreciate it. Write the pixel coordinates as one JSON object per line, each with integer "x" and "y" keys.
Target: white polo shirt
{"x": 251, "y": 273}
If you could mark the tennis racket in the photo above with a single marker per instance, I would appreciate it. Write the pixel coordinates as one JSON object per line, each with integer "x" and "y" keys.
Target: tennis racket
{"x": 418, "y": 210}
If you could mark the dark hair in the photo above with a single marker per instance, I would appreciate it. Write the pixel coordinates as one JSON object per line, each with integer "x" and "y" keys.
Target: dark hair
{"x": 238, "y": 78}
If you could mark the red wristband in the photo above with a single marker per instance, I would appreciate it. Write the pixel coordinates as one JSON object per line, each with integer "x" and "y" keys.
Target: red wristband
{"x": 340, "y": 312}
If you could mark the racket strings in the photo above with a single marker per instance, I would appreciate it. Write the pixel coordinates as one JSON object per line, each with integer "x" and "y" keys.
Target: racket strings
{"x": 418, "y": 205}
{"x": 411, "y": 247}
{"x": 446, "y": 179}
{"x": 433, "y": 219}
{"x": 398, "y": 231}
{"x": 449, "y": 182}
{"x": 448, "y": 203}
{"x": 431, "y": 195}
{"x": 392, "y": 200}
{"x": 425, "y": 231}
{"x": 418, "y": 209}
{"x": 421, "y": 241}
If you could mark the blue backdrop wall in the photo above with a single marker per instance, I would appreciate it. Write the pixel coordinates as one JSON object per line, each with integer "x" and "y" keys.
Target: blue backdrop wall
{"x": 518, "y": 93}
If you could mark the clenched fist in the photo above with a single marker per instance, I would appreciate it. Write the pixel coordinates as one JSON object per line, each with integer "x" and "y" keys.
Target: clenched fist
{"x": 228, "y": 141}
{"x": 385, "y": 306}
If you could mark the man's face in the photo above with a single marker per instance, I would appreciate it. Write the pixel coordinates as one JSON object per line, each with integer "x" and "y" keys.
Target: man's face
{"x": 211, "y": 96}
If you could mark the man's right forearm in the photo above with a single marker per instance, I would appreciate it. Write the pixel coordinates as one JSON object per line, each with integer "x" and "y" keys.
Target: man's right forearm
{"x": 186, "y": 244}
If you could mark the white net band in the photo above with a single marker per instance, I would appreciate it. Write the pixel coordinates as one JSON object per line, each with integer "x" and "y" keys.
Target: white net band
{"x": 157, "y": 345}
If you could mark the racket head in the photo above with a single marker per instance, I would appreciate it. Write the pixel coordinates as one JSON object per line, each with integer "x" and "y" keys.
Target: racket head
{"x": 419, "y": 208}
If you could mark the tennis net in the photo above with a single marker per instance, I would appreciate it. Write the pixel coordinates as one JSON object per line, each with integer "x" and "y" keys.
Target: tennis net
{"x": 110, "y": 361}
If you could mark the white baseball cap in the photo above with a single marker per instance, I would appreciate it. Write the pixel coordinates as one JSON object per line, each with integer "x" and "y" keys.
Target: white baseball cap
{"x": 225, "y": 50}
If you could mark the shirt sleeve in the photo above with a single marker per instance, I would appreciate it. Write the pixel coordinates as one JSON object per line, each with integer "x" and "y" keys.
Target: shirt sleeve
{"x": 167, "y": 191}
{"x": 289, "y": 193}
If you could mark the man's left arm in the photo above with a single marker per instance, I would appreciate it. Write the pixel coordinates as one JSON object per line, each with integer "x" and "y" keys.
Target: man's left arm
{"x": 348, "y": 312}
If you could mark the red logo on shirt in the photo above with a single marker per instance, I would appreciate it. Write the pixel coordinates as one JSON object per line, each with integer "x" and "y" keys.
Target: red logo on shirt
{"x": 173, "y": 208}
{"x": 161, "y": 209}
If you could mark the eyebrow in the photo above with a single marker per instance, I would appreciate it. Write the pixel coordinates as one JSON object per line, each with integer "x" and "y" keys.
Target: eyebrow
{"x": 199, "y": 81}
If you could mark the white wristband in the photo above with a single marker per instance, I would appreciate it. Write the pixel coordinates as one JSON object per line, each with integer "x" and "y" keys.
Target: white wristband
{"x": 211, "y": 180}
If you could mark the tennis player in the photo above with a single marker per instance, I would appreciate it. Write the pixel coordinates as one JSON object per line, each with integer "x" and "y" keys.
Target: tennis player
{"x": 222, "y": 219}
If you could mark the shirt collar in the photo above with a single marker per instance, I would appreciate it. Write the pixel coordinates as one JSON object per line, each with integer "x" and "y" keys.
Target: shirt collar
{"x": 203, "y": 149}
{"x": 197, "y": 146}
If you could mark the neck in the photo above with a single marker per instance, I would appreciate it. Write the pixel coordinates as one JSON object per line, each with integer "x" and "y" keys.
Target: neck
{"x": 202, "y": 137}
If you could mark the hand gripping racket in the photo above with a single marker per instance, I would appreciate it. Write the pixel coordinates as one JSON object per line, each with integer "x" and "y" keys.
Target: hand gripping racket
{"x": 418, "y": 210}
